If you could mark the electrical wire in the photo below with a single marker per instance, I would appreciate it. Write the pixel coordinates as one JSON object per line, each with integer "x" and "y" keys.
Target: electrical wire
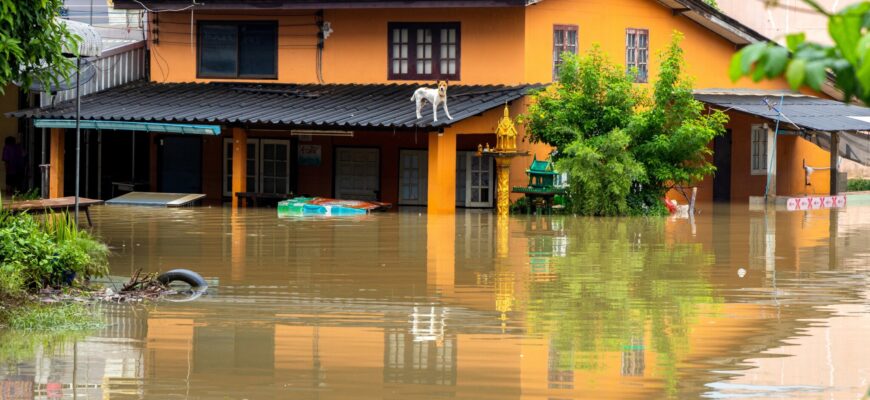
{"x": 193, "y": 4}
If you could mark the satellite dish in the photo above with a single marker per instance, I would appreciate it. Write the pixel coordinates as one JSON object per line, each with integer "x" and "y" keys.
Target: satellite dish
{"x": 88, "y": 72}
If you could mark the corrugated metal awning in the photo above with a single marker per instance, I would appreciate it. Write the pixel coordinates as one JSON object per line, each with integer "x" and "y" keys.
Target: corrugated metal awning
{"x": 806, "y": 112}
{"x": 189, "y": 129}
{"x": 90, "y": 43}
{"x": 815, "y": 118}
{"x": 315, "y": 106}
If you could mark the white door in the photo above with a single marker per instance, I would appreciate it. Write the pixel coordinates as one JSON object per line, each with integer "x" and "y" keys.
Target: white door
{"x": 413, "y": 177}
{"x": 274, "y": 166}
{"x": 253, "y": 165}
{"x": 478, "y": 181}
{"x": 357, "y": 173}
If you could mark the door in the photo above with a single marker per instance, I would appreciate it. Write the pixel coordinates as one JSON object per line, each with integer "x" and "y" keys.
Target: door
{"x": 722, "y": 161}
{"x": 180, "y": 160}
{"x": 253, "y": 165}
{"x": 413, "y": 177}
{"x": 478, "y": 181}
{"x": 357, "y": 174}
{"x": 274, "y": 166}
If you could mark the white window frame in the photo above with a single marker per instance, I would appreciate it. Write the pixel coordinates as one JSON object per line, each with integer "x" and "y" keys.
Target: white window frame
{"x": 226, "y": 158}
{"x": 262, "y": 159}
{"x": 759, "y": 149}
{"x": 468, "y": 186}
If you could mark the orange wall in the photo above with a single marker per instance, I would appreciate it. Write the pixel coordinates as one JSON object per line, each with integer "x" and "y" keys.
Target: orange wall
{"x": 604, "y": 22}
{"x": 356, "y": 52}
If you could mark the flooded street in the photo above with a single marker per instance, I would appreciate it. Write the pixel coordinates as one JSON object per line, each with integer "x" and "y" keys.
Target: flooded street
{"x": 735, "y": 304}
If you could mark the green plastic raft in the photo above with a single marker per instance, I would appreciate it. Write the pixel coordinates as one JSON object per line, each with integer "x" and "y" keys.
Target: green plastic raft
{"x": 322, "y": 206}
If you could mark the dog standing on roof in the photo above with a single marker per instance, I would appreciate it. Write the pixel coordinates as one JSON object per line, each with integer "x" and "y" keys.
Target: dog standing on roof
{"x": 434, "y": 96}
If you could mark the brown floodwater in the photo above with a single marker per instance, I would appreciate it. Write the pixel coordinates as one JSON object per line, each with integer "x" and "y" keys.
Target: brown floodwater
{"x": 404, "y": 305}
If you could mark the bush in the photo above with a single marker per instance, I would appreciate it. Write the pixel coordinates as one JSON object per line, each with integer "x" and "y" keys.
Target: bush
{"x": 858, "y": 185}
{"x": 35, "y": 254}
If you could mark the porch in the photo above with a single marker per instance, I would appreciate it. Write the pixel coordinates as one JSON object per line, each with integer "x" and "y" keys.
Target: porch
{"x": 345, "y": 141}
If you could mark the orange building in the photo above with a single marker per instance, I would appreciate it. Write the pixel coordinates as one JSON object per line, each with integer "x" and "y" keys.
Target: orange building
{"x": 312, "y": 97}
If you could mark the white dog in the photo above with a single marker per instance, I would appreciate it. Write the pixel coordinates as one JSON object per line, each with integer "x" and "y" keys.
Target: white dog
{"x": 434, "y": 96}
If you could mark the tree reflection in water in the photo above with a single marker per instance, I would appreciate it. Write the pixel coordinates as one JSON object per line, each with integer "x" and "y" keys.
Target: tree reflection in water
{"x": 615, "y": 285}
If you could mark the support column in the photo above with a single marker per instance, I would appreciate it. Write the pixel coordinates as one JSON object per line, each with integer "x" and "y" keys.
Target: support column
{"x": 771, "y": 165}
{"x": 442, "y": 173}
{"x": 835, "y": 161}
{"x": 56, "y": 160}
{"x": 503, "y": 186}
{"x": 240, "y": 164}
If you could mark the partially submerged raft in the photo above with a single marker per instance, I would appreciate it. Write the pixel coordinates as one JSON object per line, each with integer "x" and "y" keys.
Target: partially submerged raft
{"x": 300, "y": 206}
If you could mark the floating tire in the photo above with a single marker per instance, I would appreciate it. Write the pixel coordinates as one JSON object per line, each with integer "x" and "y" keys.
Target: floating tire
{"x": 184, "y": 275}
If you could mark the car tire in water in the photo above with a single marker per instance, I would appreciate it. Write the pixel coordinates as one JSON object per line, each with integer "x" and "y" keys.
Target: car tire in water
{"x": 184, "y": 275}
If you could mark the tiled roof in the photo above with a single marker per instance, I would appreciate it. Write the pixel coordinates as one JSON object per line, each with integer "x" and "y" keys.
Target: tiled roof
{"x": 294, "y": 105}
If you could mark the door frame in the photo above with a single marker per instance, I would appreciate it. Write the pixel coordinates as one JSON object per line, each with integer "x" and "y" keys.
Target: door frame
{"x": 423, "y": 178}
{"x": 227, "y": 191}
{"x": 335, "y": 150}
{"x": 728, "y": 138}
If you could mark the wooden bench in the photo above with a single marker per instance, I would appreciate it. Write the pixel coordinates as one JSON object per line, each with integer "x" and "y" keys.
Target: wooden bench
{"x": 256, "y": 198}
{"x": 54, "y": 205}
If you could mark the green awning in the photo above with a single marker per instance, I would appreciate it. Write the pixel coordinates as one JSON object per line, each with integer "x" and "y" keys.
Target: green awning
{"x": 160, "y": 127}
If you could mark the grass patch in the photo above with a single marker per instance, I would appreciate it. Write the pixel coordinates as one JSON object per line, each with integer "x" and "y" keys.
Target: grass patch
{"x": 858, "y": 185}
{"x": 57, "y": 317}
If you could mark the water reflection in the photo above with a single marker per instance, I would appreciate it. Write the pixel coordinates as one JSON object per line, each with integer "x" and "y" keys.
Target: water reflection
{"x": 408, "y": 305}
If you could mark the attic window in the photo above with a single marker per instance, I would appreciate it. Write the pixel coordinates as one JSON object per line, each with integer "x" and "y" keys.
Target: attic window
{"x": 564, "y": 41}
{"x": 423, "y": 51}
{"x": 637, "y": 53}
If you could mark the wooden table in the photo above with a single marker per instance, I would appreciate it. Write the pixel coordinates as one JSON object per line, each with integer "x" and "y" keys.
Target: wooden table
{"x": 54, "y": 205}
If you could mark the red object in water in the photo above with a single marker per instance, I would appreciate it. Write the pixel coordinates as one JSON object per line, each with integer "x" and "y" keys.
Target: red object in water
{"x": 672, "y": 208}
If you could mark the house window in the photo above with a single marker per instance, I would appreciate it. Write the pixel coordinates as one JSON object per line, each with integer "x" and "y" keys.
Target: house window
{"x": 237, "y": 50}
{"x": 759, "y": 150}
{"x": 564, "y": 40}
{"x": 637, "y": 52}
{"x": 423, "y": 51}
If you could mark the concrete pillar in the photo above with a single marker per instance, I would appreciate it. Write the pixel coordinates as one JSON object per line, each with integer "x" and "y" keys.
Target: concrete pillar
{"x": 442, "y": 173}
{"x": 56, "y": 160}
{"x": 240, "y": 164}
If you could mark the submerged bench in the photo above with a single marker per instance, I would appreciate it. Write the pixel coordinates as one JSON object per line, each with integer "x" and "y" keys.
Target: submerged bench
{"x": 54, "y": 205}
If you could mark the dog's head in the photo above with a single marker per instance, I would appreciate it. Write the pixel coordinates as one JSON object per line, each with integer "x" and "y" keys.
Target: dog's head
{"x": 442, "y": 88}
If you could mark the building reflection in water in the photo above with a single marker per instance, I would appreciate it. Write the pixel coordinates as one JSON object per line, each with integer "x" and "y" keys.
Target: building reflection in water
{"x": 466, "y": 306}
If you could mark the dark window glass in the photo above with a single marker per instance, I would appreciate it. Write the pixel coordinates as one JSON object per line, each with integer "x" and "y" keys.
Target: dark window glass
{"x": 423, "y": 50}
{"x": 217, "y": 50}
{"x": 238, "y": 50}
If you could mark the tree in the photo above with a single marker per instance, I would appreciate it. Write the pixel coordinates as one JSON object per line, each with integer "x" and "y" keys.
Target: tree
{"x": 32, "y": 42}
{"x": 622, "y": 148}
{"x": 671, "y": 138}
{"x": 808, "y": 64}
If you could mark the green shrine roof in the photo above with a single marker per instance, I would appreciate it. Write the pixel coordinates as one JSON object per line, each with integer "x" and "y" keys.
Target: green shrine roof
{"x": 541, "y": 167}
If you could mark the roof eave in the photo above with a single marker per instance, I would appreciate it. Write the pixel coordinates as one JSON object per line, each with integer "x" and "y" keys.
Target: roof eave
{"x": 313, "y": 5}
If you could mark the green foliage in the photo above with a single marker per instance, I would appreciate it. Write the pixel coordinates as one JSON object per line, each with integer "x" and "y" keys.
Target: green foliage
{"x": 36, "y": 253}
{"x": 671, "y": 138}
{"x": 32, "y": 42}
{"x": 592, "y": 98}
{"x": 592, "y": 191}
{"x": 805, "y": 63}
{"x": 621, "y": 287}
{"x": 858, "y": 185}
{"x": 32, "y": 194}
{"x": 622, "y": 148}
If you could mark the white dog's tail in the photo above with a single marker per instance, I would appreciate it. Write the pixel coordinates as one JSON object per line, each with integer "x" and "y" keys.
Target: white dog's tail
{"x": 413, "y": 96}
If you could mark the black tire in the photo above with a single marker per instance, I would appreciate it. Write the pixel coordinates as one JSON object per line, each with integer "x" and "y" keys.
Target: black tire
{"x": 184, "y": 275}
